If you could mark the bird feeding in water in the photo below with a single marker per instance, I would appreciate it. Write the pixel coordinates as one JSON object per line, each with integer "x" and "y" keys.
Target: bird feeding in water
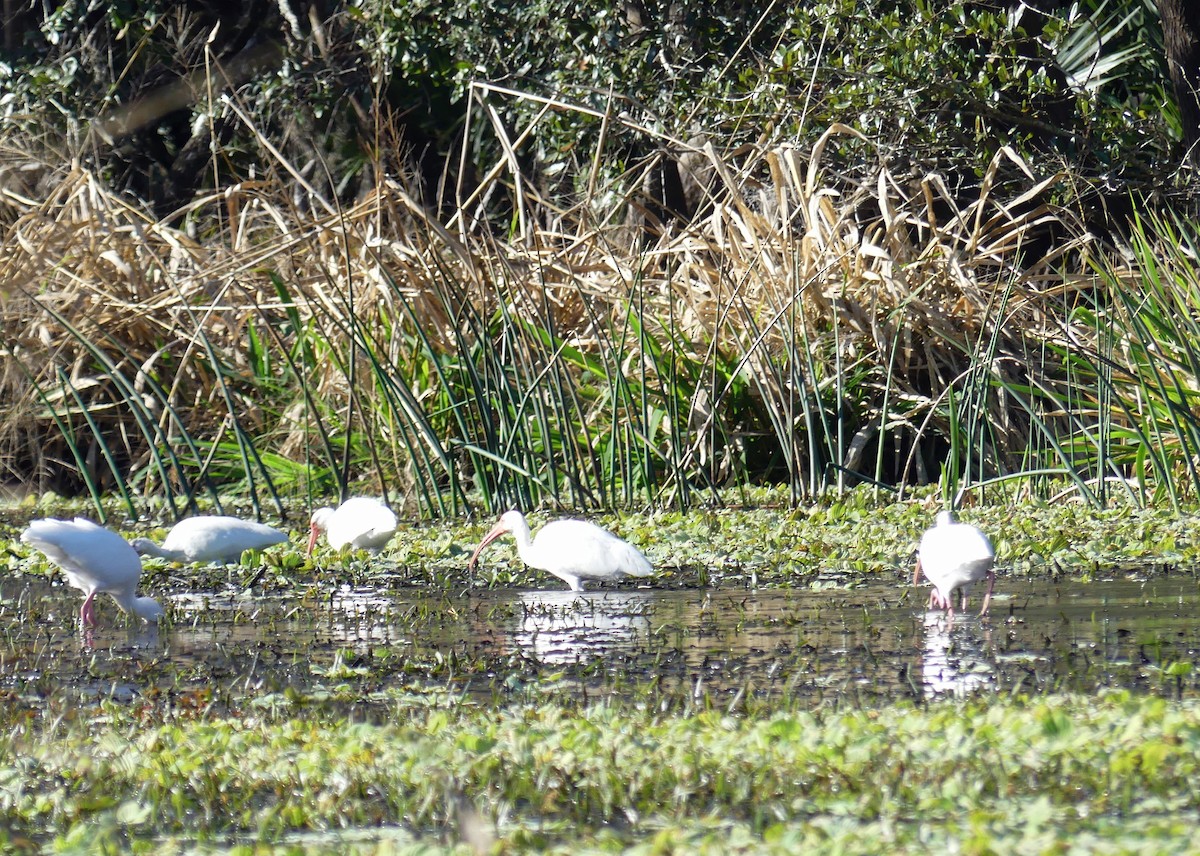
{"x": 954, "y": 555}
{"x": 210, "y": 539}
{"x": 95, "y": 560}
{"x": 360, "y": 522}
{"x": 572, "y": 550}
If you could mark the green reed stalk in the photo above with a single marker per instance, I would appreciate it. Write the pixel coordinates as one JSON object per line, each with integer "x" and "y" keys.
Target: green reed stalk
{"x": 162, "y": 455}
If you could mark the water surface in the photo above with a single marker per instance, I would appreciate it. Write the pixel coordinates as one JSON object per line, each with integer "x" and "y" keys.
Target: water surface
{"x": 868, "y": 644}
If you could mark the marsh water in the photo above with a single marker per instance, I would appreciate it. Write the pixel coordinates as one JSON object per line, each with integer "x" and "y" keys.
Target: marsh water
{"x": 722, "y": 646}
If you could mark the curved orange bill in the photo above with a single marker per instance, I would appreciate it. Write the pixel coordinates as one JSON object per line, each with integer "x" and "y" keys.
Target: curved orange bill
{"x": 312, "y": 538}
{"x": 917, "y": 571}
{"x": 496, "y": 532}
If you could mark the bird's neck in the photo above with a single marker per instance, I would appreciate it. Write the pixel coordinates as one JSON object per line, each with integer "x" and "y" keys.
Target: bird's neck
{"x": 520, "y": 531}
{"x": 145, "y": 608}
{"x": 157, "y": 551}
{"x": 127, "y": 601}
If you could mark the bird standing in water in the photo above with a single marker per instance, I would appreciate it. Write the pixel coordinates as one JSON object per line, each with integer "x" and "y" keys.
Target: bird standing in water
{"x": 95, "y": 560}
{"x": 359, "y": 522}
{"x": 572, "y": 550}
{"x": 210, "y": 538}
{"x": 954, "y": 555}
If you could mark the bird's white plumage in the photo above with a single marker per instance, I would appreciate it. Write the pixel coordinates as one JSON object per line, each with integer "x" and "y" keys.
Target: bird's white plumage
{"x": 211, "y": 538}
{"x": 954, "y": 555}
{"x": 94, "y": 560}
{"x": 360, "y": 522}
{"x": 572, "y": 550}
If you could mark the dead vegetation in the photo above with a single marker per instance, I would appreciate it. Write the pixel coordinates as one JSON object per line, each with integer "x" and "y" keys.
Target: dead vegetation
{"x": 803, "y": 325}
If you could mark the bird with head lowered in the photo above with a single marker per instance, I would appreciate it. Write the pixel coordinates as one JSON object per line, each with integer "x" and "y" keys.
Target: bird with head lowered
{"x": 572, "y": 550}
{"x": 360, "y": 523}
{"x": 954, "y": 555}
{"x": 210, "y": 538}
{"x": 95, "y": 560}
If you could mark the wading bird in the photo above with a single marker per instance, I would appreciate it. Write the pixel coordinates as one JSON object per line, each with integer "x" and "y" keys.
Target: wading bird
{"x": 953, "y": 555}
{"x": 572, "y": 550}
{"x": 359, "y": 522}
{"x": 210, "y": 539}
{"x": 94, "y": 560}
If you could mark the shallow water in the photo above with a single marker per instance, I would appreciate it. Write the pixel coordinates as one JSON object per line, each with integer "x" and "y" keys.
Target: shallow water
{"x": 866, "y": 644}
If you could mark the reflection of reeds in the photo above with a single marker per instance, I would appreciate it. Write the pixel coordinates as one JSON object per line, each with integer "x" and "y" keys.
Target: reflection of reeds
{"x": 803, "y": 328}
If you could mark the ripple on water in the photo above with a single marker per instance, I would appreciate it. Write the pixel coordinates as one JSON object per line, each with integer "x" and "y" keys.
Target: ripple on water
{"x": 873, "y": 641}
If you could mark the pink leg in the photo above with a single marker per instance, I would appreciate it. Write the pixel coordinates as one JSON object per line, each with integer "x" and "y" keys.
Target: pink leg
{"x": 987, "y": 598}
{"x": 936, "y": 599}
{"x": 87, "y": 612}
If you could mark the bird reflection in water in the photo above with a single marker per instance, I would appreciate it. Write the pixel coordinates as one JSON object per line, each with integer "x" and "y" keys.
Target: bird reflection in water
{"x": 357, "y": 618}
{"x": 561, "y": 627}
{"x": 136, "y": 637}
{"x": 954, "y": 660}
{"x": 362, "y": 617}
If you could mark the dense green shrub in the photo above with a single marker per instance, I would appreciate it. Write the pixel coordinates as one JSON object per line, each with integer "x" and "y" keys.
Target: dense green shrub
{"x": 933, "y": 85}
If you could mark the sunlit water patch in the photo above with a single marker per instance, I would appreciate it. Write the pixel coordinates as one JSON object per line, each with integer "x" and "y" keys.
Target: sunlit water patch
{"x": 350, "y": 646}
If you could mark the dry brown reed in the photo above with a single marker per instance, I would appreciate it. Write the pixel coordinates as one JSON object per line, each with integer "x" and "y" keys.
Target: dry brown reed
{"x": 797, "y": 275}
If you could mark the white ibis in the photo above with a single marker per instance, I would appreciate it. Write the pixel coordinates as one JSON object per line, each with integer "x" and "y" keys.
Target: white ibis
{"x": 360, "y": 522}
{"x": 572, "y": 550}
{"x": 953, "y": 555}
{"x": 94, "y": 560}
{"x": 210, "y": 539}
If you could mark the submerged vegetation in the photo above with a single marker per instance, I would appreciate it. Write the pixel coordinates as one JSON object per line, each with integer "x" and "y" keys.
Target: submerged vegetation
{"x": 1110, "y": 774}
{"x": 775, "y": 686}
{"x": 370, "y": 706}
